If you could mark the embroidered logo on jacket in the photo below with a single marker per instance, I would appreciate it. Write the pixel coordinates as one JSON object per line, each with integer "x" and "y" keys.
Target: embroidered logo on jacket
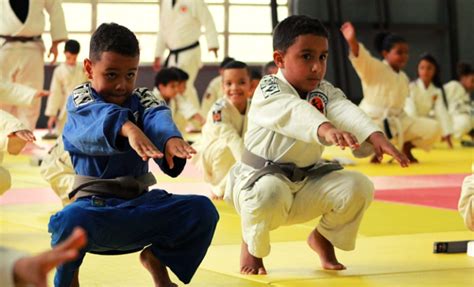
{"x": 147, "y": 99}
{"x": 319, "y": 101}
{"x": 217, "y": 116}
{"x": 82, "y": 94}
{"x": 269, "y": 86}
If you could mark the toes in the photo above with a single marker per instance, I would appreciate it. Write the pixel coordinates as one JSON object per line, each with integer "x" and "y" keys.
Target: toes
{"x": 262, "y": 271}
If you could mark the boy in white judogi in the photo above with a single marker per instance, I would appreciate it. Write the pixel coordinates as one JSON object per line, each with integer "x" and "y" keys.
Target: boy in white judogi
{"x": 280, "y": 180}
{"x": 221, "y": 144}
{"x": 459, "y": 101}
{"x": 214, "y": 90}
{"x": 66, "y": 76}
{"x": 385, "y": 88}
{"x": 180, "y": 28}
{"x": 13, "y": 133}
{"x": 22, "y": 49}
{"x": 466, "y": 202}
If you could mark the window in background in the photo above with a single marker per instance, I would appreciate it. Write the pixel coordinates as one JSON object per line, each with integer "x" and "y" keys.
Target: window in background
{"x": 248, "y": 37}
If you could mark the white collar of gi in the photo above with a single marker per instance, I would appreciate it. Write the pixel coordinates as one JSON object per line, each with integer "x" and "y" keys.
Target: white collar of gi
{"x": 280, "y": 76}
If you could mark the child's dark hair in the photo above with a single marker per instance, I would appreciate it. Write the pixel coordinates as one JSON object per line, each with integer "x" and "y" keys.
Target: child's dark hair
{"x": 255, "y": 74}
{"x": 111, "y": 37}
{"x": 288, "y": 30}
{"x": 72, "y": 46}
{"x": 237, "y": 65}
{"x": 464, "y": 69}
{"x": 268, "y": 66}
{"x": 384, "y": 41}
{"x": 183, "y": 76}
{"x": 226, "y": 61}
{"x": 437, "y": 74}
{"x": 165, "y": 76}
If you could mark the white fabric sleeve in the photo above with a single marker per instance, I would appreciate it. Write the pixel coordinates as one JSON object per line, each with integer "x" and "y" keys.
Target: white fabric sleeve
{"x": 9, "y": 125}
{"x": 160, "y": 44}
{"x": 466, "y": 202}
{"x": 16, "y": 94}
{"x": 206, "y": 20}
{"x": 410, "y": 105}
{"x": 442, "y": 115}
{"x": 366, "y": 65}
{"x": 57, "y": 20}
{"x": 224, "y": 130}
{"x": 7, "y": 263}
{"x": 56, "y": 97}
{"x": 185, "y": 108}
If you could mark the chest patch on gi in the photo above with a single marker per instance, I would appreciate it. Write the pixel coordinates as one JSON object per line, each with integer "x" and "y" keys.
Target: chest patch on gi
{"x": 217, "y": 116}
{"x": 183, "y": 9}
{"x": 269, "y": 86}
{"x": 147, "y": 99}
{"x": 319, "y": 101}
{"x": 82, "y": 95}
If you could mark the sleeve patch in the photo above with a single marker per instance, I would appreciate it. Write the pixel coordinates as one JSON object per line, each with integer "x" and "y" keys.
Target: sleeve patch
{"x": 269, "y": 86}
{"x": 217, "y": 116}
{"x": 318, "y": 100}
{"x": 82, "y": 95}
{"x": 147, "y": 99}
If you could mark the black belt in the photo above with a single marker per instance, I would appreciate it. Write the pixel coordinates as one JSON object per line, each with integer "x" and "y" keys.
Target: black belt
{"x": 20, "y": 38}
{"x": 176, "y": 52}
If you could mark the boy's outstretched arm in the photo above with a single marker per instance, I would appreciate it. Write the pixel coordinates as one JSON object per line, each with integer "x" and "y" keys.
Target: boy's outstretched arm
{"x": 335, "y": 136}
{"x": 383, "y": 146}
{"x": 348, "y": 31}
{"x": 179, "y": 148}
{"x": 139, "y": 141}
{"x": 34, "y": 270}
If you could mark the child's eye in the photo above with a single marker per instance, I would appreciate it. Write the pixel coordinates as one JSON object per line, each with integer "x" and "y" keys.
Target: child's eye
{"x": 323, "y": 57}
{"x": 130, "y": 75}
{"x": 307, "y": 57}
{"x": 111, "y": 76}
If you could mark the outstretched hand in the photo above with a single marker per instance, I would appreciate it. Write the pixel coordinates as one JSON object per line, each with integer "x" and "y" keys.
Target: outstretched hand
{"x": 337, "y": 137}
{"x": 34, "y": 270}
{"x": 140, "y": 142}
{"x": 179, "y": 148}
{"x": 383, "y": 146}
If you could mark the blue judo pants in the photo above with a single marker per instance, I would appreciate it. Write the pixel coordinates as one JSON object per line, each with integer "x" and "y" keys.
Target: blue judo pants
{"x": 179, "y": 229}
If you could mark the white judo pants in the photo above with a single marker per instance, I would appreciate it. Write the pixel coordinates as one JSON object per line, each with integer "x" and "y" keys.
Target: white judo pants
{"x": 23, "y": 63}
{"x": 461, "y": 124}
{"x": 466, "y": 202}
{"x": 340, "y": 198}
{"x": 217, "y": 159}
{"x": 58, "y": 171}
{"x": 422, "y": 132}
{"x": 190, "y": 62}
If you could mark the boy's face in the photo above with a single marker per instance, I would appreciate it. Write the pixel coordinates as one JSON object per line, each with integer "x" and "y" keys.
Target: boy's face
{"x": 181, "y": 87}
{"x": 113, "y": 76}
{"x": 170, "y": 90}
{"x": 70, "y": 58}
{"x": 304, "y": 63}
{"x": 236, "y": 85}
{"x": 397, "y": 57}
{"x": 468, "y": 82}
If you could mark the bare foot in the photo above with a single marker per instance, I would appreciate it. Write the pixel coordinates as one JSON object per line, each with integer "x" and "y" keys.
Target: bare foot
{"x": 375, "y": 160}
{"x": 407, "y": 147}
{"x": 157, "y": 270}
{"x": 215, "y": 196}
{"x": 249, "y": 264}
{"x": 325, "y": 250}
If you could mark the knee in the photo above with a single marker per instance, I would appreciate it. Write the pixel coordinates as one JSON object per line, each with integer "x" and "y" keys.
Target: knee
{"x": 269, "y": 195}
{"x": 361, "y": 187}
{"x": 63, "y": 222}
{"x": 205, "y": 210}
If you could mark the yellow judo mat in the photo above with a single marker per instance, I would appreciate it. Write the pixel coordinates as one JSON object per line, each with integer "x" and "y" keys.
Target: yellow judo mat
{"x": 394, "y": 247}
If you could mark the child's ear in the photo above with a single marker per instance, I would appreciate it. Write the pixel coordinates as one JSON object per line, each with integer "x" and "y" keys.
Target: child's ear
{"x": 278, "y": 59}
{"x": 384, "y": 54}
{"x": 88, "y": 68}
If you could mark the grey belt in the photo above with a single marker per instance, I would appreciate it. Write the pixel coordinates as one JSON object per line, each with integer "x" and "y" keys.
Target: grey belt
{"x": 290, "y": 170}
{"x": 125, "y": 187}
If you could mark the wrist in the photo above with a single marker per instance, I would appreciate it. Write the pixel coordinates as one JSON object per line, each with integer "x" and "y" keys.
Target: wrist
{"x": 324, "y": 128}
{"x": 374, "y": 136}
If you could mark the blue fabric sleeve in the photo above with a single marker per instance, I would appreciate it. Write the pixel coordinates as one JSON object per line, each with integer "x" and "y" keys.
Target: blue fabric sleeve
{"x": 94, "y": 128}
{"x": 159, "y": 127}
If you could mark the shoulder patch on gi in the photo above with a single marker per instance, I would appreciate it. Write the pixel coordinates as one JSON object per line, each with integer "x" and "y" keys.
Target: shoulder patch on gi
{"x": 217, "y": 110}
{"x": 147, "y": 99}
{"x": 269, "y": 86}
{"x": 318, "y": 100}
{"x": 82, "y": 94}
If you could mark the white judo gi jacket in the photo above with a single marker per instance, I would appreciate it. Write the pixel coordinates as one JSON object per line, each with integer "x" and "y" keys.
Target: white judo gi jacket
{"x": 213, "y": 93}
{"x": 282, "y": 128}
{"x": 459, "y": 108}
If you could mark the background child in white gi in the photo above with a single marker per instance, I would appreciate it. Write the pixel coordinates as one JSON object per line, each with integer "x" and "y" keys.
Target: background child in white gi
{"x": 292, "y": 116}
{"x": 459, "y": 101}
{"x": 466, "y": 202}
{"x": 427, "y": 97}
{"x": 66, "y": 76}
{"x": 167, "y": 83}
{"x": 17, "y": 269}
{"x": 385, "y": 88}
{"x": 214, "y": 90}
{"x": 221, "y": 144}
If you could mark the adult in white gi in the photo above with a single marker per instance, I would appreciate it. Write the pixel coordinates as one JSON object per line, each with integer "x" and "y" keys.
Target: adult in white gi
{"x": 22, "y": 49}
{"x": 10, "y": 142}
{"x": 466, "y": 202}
{"x": 18, "y": 269}
{"x": 385, "y": 88}
{"x": 180, "y": 28}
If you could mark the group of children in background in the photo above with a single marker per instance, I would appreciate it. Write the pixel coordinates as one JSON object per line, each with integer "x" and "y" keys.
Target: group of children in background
{"x": 261, "y": 155}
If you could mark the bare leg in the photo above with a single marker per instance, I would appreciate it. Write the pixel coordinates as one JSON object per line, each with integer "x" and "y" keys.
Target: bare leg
{"x": 249, "y": 264}
{"x": 75, "y": 279}
{"x": 325, "y": 250}
{"x": 407, "y": 147}
{"x": 157, "y": 270}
